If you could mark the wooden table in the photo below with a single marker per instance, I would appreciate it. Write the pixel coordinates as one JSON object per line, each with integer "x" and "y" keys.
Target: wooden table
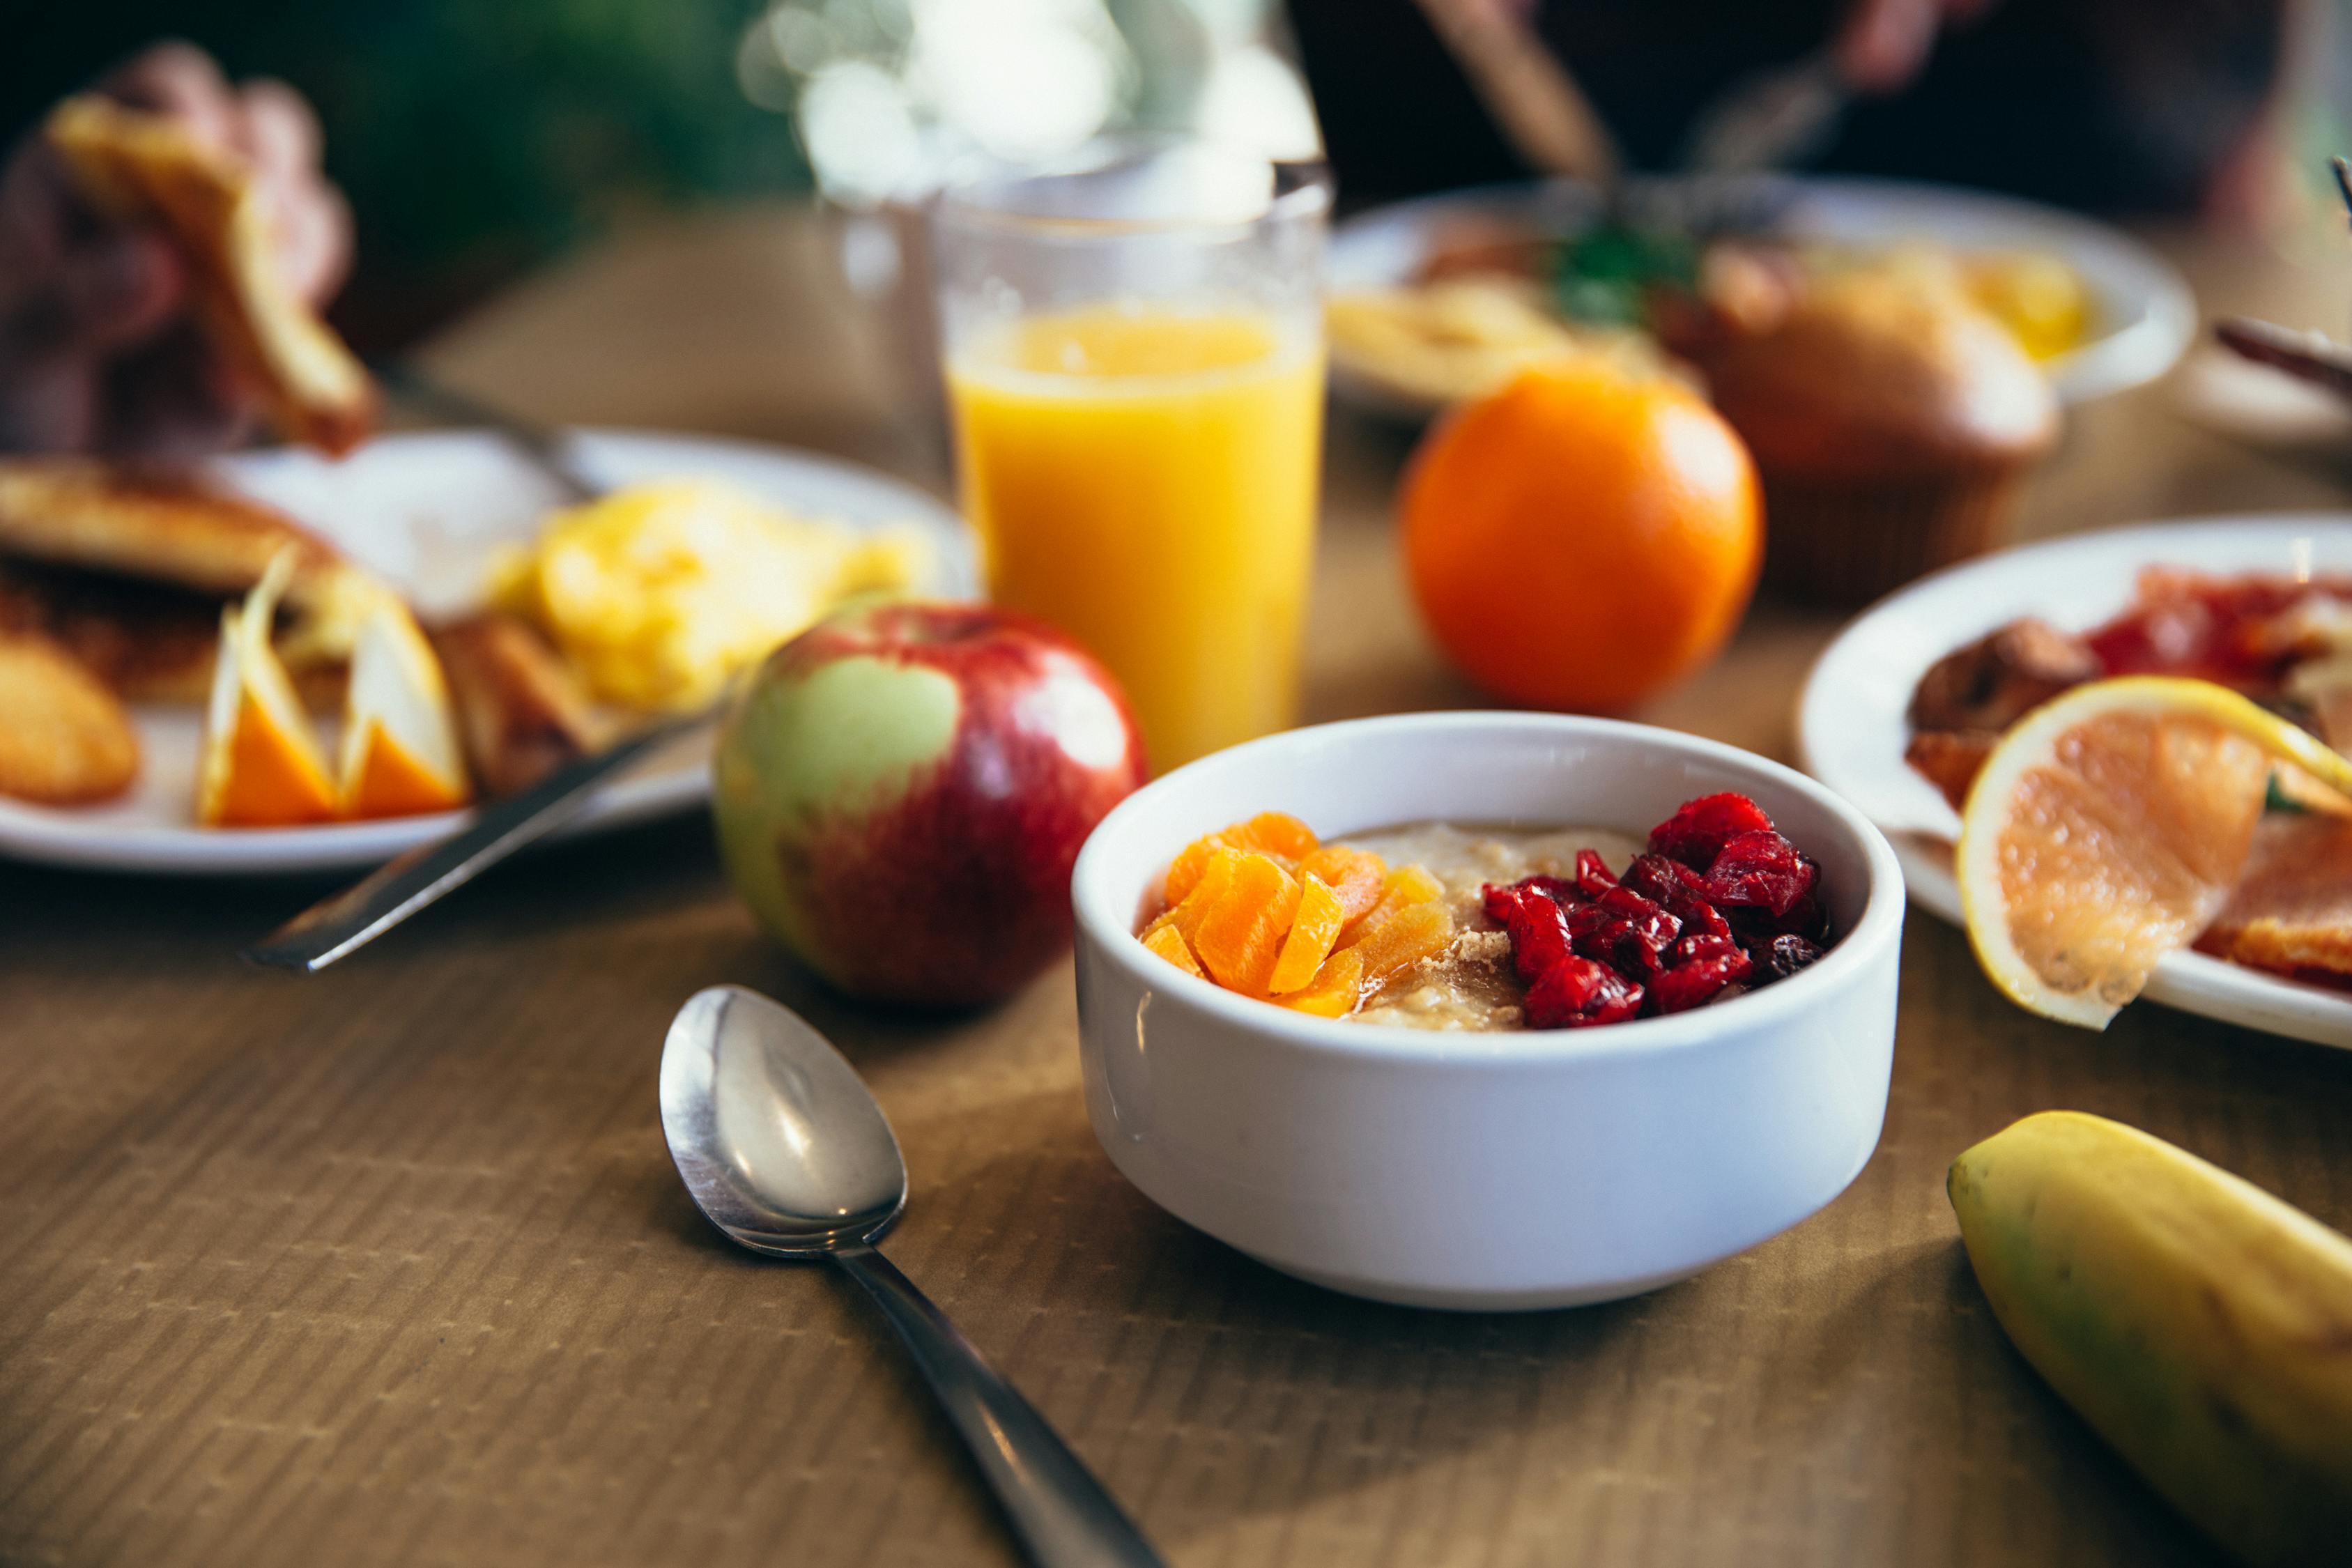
{"x": 391, "y": 1265}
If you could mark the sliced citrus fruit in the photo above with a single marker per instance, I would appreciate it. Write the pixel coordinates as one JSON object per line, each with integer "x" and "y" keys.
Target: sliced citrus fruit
{"x": 2107, "y": 830}
{"x": 400, "y": 736}
{"x": 261, "y": 765}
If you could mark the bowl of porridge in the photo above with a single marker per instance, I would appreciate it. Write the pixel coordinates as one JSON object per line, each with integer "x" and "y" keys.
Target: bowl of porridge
{"x": 1416, "y": 1007}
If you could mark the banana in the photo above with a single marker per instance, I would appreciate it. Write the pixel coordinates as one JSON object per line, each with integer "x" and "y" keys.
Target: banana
{"x": 2201, "y": 1325}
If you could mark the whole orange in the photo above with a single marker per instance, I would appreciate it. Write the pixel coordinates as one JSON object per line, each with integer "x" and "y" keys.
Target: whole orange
{"x": 1583, "y": 538}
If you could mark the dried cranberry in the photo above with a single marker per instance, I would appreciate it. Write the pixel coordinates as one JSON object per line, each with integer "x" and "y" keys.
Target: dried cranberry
{"x": 1706, "y": 948}
{"x": 1559, "y": 889}
{"x": 1624, "y": 930}
{"x": 1500, "y": 902}
{"x": 1761, "y": 871}
{"x": 1577, "y": 993}
{"x": 1697, "y": 832}
{"x": 1539, "y": 937}
{"x": 1681, "y": 890}
{"x": 1783, "y": 956}
{"x": 1689, "y": 985}
{"x": 1592, "y": 874}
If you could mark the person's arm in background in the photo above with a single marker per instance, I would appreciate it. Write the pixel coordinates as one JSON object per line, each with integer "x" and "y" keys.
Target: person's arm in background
{"x": 98, "y": 352}
{"x": 1883, "y": 44}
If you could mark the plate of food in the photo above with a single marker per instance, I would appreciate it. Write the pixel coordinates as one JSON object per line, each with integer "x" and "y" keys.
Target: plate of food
{"x": 1441, "y": 297}
{"x": 1902, "y": 709}
{"x": 281, "y": 661}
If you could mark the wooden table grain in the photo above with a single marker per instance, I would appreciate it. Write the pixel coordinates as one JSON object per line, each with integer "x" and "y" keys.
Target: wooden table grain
{"x": 391, "y": 1267}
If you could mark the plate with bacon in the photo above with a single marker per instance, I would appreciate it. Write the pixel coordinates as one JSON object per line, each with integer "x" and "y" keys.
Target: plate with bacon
{"x": 1902, "y": 709}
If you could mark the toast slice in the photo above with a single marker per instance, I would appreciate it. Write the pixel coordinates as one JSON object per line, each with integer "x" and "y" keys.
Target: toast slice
{"x": 145, "y": 167}
{"x": 521, "y": 710}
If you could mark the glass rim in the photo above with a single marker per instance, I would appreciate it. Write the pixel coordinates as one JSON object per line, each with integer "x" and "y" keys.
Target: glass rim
{"x": 977, "y": 203}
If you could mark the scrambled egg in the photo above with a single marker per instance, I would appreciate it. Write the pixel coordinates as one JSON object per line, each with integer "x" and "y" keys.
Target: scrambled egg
{"x": 660, "y": 594}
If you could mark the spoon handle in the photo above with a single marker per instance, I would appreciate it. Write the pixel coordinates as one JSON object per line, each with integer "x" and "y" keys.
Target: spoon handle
{"x": 1057, "y": 1507}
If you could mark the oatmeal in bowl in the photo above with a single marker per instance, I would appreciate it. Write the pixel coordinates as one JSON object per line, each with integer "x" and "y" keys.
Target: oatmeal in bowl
{"x": 1315, "y": 1126}
{"x": 1435, "y": 926}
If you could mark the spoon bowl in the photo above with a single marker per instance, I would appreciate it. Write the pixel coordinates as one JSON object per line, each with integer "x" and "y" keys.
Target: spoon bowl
{"x": 776, "y": 1137}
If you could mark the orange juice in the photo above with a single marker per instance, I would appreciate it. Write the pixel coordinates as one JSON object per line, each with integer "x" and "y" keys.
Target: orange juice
{"x": 1145, "y": 480}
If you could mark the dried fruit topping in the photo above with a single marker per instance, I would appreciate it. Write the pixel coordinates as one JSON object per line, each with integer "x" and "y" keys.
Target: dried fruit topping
{"x": 1705, "y": 948}
{"x": 1689, "y": 985}
{"x": 1681, "y": 890}
{"x": 1593, "y": 875}
{"x": 1632, "y": 935}
{"x": 1761, "y": 870}
{"x": 1358, "y": 876}
{"x": 1577, "y": 993}
{"x": 1538, "y": 929}
{"x": 1697, "y": 832}
{"x": 1784, "y": 955}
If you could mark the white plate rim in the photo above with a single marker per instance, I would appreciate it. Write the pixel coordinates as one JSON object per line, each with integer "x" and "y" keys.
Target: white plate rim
{"x": 1382, "y": 245}
{"x": 1851, "y": 739}
{"x": 655, "y": 787}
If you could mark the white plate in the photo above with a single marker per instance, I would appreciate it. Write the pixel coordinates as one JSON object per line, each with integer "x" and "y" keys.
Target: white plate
{"x": 1850, "y": 730}
{"x": 426, "y": 510}
{"x": 2145, "y": 315}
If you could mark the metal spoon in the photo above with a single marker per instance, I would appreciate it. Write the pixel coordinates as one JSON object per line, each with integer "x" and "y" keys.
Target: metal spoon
{"x": 785, "y": 1150}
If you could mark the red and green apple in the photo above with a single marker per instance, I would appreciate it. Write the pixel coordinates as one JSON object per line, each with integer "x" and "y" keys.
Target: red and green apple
{"x": 901, "y": 791}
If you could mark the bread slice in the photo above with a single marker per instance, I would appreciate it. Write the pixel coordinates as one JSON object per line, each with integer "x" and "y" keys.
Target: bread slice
{"x": 65, "y": 739}
{"x": 148, "y": 168}
{"x": 172, "y": 527}
{"x": 520, "y": 709}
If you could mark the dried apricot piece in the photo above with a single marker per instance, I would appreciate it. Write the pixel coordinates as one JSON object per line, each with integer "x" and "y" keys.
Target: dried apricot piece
{"x": 1404, "y": 887}
{"x": 1216, "y": 876}
{"x": 1338, "y": 986}
{"x": 1184, "y": 872}
{"x": 1358, "y": 876}
{"x": 1273, "y": 833}
{"x": 1239, "y": 938}
{"x": 1413, "y": 933}
{"x": 1312, "y": 932}
{"x": 1169, "y": 944}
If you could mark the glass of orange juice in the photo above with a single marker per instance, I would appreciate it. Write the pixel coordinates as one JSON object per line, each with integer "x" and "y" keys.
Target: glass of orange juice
{"x": 1134, "y": 361}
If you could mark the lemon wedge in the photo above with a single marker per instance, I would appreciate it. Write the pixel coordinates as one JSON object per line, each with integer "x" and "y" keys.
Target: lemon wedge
{"x": 2107, "y": 830}
{"x": 401, "y": 754}
{"x": 260, "y": 766}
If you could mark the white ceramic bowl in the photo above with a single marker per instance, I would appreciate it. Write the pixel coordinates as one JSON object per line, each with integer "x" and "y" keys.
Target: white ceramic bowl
{"x": 1485, "y": 1171}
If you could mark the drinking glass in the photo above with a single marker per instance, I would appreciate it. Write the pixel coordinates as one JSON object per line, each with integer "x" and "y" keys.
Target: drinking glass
{"x": 1134, "y": 359}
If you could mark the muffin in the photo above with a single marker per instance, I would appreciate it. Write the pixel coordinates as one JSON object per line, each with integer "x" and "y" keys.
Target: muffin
{"x": 1892, "y": 423}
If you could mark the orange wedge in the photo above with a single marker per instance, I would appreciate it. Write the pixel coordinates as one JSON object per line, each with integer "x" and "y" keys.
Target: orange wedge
{"x": 260, "y": 766}
{"x": 2107, "y": 829}
{"x": 400, "y": 736}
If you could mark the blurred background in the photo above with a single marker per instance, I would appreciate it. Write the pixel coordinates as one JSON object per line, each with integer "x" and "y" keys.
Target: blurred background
{"x": 479, "y": 140}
